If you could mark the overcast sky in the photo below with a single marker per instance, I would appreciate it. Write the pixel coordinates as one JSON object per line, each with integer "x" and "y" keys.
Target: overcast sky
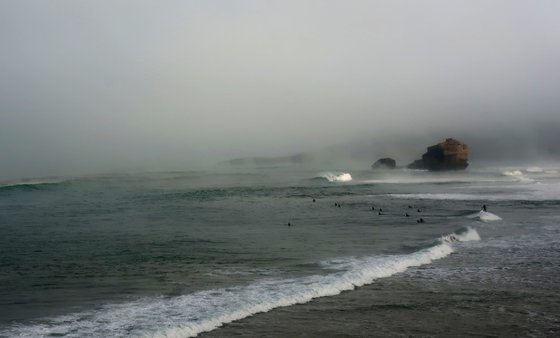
{"x": 89, "y": 86}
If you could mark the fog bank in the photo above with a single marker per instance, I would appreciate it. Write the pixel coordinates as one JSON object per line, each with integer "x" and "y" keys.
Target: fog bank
{"x": 92, "y": 86}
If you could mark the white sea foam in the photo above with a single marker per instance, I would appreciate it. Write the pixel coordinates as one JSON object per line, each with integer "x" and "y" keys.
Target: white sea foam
{"x": 466, "y": 236}
{"x": 416, "y": 180}
{"x": 189, "y": 315}
{"x": 514, "y": 173}
{"x": 485, "y": 216}
{"x": 517, "y": 175}
{"x": 489, "y": 217}
{"x": 461, "y": 197}
{"x": 335, "y": 177}
{"x": 534, "y": 170}
{"x": 431, "y": 178}
{"x": 439, "y": 196}
{"x": 525, "y": 192}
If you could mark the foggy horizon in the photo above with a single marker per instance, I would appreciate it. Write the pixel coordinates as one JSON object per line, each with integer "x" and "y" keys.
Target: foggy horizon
{"x": 90, "y": 87}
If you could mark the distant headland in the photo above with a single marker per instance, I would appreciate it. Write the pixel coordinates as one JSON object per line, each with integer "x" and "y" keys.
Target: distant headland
{"x": 450, "y": 154}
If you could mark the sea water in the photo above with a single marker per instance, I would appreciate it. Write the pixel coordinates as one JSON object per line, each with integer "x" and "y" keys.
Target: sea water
{"x": 175, "y": 254}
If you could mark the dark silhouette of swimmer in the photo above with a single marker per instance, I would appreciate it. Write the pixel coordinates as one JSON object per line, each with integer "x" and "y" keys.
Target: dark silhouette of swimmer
{"x": 379, "y": 213}
{"x": 406, "y": 214}
{"x": 313, "y": 200}
{"x": 410, "y": 206}
{"x": 380, "y": 210}
{"x": 289, "y": 224}
{"x": 484, "y": 207}
{"x": 419, "y": 210}
{"x": 339, "y": 205}
{"x": 417, "y": 221}
{"x": 372, "y": 208}
{"x": 421, "y": 220}
{"x": 336, "y": 204}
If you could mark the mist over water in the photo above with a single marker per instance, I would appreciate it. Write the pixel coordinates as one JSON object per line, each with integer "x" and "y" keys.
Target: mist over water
{"x": 170, "y": 167}
{"x": 102, "y": 87}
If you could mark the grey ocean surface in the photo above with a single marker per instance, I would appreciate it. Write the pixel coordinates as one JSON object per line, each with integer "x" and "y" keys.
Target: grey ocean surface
{"x": 176, "y": 254}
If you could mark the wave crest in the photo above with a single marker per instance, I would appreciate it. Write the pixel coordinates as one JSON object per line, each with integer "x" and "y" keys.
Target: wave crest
{"x": 517, "y": 175}
{"x": 485, "y": 216}
{"x": 534, "y": 169}
{"x": 469, "y": 234}
{"x": 191, "y": 314}
{"x": 30, "y": 185}
{"x": 512, "y": 173}
{"x": 335, "y": 176}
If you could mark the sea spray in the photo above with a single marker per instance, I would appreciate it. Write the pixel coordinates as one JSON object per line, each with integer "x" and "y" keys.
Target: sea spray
{"x": 335, "y": 176}
{"x": 534, "y": 169}
{"x": 537, "y": 191}
{"x": 516, "y": 175}
{"x": 485, "y": 216}
{"x": 488, "y": 216}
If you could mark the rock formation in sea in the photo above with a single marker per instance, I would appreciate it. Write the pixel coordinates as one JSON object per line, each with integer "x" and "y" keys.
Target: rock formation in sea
{"x": 384, "y": 163}
{"x": 448, "y": 155}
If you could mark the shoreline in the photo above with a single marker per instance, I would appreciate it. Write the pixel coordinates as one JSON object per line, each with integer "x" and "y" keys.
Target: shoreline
{"x": 437, "y": 300}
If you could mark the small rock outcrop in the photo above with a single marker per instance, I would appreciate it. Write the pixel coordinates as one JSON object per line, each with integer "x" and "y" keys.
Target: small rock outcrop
{"x": 448, "y": 155}
{"x": 384, "y": 163}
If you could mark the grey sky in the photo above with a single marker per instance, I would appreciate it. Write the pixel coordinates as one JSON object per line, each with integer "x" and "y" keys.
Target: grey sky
{"x": 90, "y": 86}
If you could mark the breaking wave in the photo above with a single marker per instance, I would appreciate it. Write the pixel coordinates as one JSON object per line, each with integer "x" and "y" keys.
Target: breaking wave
{"x": 442, "y": 196}
{"x": 516, "y": 175}
{"x": 191, "y": 314}
{"x": 335, "y": 177}
{"x": 30, "y": 185}
{"x": 485, "y": 216}
{"x": 534, "y": 170}
{"x": 468, "y": 234}
{"x": 529, "y": 192}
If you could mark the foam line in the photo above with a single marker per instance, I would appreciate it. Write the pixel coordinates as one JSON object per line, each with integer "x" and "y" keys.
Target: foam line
{"x": 530, "y": 192}
{"x": 191, "y": 314}
{"x": 485, "y": 216}
{"x": 335, "y": 177}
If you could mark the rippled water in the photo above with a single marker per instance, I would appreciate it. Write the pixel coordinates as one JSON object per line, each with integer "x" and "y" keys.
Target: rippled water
{"x": 179, "y": 253}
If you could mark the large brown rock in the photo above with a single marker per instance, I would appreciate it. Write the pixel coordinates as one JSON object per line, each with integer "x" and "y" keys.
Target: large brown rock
{"x": 449, "y": 155}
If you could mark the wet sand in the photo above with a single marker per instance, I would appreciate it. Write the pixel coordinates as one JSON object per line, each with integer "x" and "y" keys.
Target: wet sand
{"x": 521, "y": 298}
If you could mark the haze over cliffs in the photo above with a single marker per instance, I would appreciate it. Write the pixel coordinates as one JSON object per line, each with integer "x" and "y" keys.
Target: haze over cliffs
{"x": 520, "y": 143}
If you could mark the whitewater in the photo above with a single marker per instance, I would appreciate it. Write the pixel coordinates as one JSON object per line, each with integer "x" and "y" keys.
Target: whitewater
{"x": 192, "y": 314}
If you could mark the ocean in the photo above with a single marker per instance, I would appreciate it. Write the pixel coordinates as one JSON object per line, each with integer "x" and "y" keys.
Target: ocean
{"x": 282, "y": 251}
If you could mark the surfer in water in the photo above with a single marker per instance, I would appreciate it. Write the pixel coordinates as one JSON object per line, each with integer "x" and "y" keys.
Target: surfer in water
{"x": 484, "y": 207}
